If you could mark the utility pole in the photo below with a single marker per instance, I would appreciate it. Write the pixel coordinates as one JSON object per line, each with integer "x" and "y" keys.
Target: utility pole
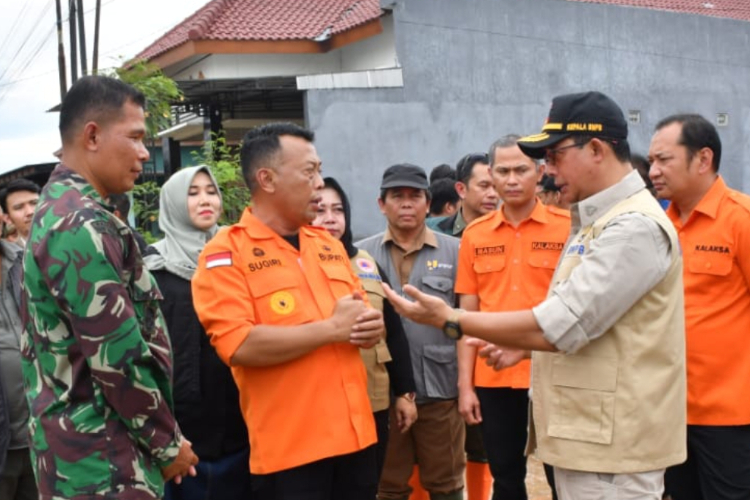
{"x": 73, "y": 43}
{"x": 61, "y": 53}
{"x": 95, "y": 62}
{"x": 82, "y": 38}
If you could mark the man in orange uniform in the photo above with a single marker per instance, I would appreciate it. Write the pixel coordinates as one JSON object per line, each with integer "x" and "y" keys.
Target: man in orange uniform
{"x": 282, "y": 306}
{"x": 713, "y": 223}
{"x": 505, "y": 263}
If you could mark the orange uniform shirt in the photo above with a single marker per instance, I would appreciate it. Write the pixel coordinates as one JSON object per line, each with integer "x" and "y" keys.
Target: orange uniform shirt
{"x": 307, "y": 409}
{"x": 715, "y": 244}
{"x": 510, "y": 269}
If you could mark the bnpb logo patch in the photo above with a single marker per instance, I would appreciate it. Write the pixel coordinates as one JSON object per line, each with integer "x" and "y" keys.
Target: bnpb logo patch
{"x": 282, "y": 303}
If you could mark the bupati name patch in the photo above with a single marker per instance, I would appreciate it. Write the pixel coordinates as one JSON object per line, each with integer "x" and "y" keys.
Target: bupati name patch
{"x": 496, "y": 250}
{"x": 330, "y": 257}
{"x": 712, "y": 248}
{"x": 546, "y": 245}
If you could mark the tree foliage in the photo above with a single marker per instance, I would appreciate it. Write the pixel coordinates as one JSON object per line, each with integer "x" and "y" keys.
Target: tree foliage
{"x": 160, "y": 91}
{"x": 222, "y": 158}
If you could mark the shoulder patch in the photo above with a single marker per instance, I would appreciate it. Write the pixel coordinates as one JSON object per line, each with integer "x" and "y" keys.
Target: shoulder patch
{"x": 221, "y": 259}
{"x": 104, "y": 227}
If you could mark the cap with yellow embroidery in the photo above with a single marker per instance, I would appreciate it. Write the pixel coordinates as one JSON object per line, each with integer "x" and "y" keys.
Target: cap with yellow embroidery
{"x": 588, "y": 113}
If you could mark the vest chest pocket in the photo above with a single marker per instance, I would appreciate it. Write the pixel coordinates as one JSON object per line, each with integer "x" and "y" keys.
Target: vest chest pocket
{"x": 277, "y": 299}
{"x": 339, "y": 279}
{"x": 582, "y": 405}
{"x": 489, "y": 264}
{"x": 440, "y": 286}
{"x": 440, "y": 371}
{"x": 716, "y": 265}
{"x": 543, "y": 260}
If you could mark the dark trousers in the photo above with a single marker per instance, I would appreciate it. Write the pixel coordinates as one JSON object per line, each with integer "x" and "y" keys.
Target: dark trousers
{"x": 17, "y": 478}
{"x": 345, "y": 477}
{"x": 505, "y": 414}
{"x": 227, "y": 478}
{"x": 717, "y": 466}
{"x": 381, "y": 427}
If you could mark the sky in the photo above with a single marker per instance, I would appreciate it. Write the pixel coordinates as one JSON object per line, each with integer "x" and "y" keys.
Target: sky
{"x": 29, "y": 82}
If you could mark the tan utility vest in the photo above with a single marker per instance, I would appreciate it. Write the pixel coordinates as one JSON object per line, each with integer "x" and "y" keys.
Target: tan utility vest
{"x": 618, "y": 405}
{"x": 378, "y": 383}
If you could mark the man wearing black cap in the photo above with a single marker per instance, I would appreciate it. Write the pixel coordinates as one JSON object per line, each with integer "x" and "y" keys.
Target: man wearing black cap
{"x": 608, "y": 362}
{"x": 412, "y": 254}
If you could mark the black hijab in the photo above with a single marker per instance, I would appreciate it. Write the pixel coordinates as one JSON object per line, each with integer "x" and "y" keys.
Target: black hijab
{"x": 346, "y": 238}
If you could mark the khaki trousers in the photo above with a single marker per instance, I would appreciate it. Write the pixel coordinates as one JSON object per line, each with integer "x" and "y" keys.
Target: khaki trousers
{"x": 577, "y": 485}
{"x": 436, "y": 442}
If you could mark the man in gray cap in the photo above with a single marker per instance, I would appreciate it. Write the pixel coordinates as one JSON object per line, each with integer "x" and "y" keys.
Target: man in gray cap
{"x": 411, "y": 253}
{"x": 608, "y": 363}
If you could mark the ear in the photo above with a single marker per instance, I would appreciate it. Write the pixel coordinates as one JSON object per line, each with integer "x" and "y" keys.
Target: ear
{"x": 91, "y": 136}
{"x": 540, "y": 172}
{"x": 450, "y": 208}
{"x": 598, "y": 149}
{"x": 266, "y": 179}
{"x": 705, "y": 160}
{"x": 381, "y": 205}
{"x": 461, "y": 189}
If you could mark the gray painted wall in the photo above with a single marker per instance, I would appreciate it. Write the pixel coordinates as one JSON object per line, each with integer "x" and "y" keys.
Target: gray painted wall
{"x": 475, "y": 70}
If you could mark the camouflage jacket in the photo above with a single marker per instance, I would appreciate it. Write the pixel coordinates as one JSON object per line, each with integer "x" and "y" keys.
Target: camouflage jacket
{"x": 96, "y": 356}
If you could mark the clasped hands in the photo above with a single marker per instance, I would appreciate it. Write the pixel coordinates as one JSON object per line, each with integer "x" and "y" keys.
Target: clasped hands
{"x": 354, "y": 322}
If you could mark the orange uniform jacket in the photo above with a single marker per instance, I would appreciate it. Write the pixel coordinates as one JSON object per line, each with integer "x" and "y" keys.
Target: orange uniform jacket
{"x": 510, "y": 269}
{"x": 715, "y": 243}
{"x": 307, "y": 409}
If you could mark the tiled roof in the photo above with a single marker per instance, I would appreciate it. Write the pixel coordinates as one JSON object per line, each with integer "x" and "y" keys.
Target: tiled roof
{"x": 732, "y": 9}
{"x": 254, "y": 20}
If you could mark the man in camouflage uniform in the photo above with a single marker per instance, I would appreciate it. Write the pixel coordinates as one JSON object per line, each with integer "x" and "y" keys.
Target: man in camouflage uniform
{"x": 97, "y": 361}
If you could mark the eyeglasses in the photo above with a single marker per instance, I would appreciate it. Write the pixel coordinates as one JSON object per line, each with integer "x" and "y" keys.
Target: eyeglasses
{"x": 550, "y": 155}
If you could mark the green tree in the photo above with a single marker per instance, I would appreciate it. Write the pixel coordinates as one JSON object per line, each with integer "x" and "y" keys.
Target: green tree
{"x": 160, "y": 91}
{"x": 222, "y": 158}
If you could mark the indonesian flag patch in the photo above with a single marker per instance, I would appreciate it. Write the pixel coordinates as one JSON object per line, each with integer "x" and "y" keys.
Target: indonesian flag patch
{"x": 220, "y": 259}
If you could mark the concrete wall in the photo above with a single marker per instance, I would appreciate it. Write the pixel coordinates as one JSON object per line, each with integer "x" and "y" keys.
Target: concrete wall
{"x": 478, "y": 69}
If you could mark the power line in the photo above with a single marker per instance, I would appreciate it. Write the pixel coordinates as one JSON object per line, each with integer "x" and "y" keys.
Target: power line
{"x": 32, "y": 31}
{"x": 16, "y": 23}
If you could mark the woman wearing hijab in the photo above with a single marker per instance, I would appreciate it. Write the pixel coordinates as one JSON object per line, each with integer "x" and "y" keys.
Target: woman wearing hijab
{"x": 388, "y": 364}
{"x": 206, "y": 398}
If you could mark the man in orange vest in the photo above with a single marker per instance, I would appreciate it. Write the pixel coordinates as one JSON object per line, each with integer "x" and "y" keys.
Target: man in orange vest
{"x": 284, "y": 308}
{"x": 713, "y": 223}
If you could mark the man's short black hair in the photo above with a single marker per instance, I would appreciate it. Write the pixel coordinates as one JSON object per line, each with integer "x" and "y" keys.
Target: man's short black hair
{"x": 465, "y": 166}
{"x": 443, "y": 171}
{"x": 697, "y": 133}
{"x": 261, "y": 144}
{"x": 442, "y": 191}
{"x": 95, "y": 98}
{"x": 15, "y": 186}
{"x": 121, "y": 202}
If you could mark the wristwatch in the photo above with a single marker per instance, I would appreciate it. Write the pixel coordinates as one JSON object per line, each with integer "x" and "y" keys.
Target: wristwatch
{"x": 452, "y": 328}
{"x": 409, "y": 396}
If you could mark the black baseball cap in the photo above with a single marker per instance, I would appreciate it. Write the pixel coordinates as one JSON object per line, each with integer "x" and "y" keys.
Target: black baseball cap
{"x": 588, "y": 113}
{"x": 404, "y": 175}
